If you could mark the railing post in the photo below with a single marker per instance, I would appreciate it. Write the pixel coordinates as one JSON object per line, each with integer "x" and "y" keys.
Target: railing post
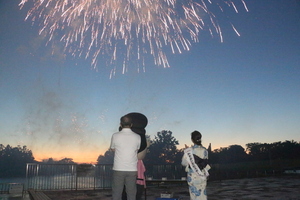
{"x": 76, "y": 178}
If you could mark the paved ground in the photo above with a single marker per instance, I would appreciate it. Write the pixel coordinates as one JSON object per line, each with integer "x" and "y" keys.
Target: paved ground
{"x": 281, "y": 188}
{"x": 270, "y": 188}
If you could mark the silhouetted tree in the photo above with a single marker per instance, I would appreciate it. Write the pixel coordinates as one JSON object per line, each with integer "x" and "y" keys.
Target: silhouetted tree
{"x": 13, "y": 160}
{"x": 285, "y": 150}
{"x": 274, "y": 151}
{"x": 259, "y": 151}
{"x": 62, "y": 161}
{"x": 107, "y": 158}
{"x": 237, "y": 154}
{"x": 49, "y": 161}
{"x": 219, "y": 155}
{"x": 231, "y": 154}
{"x": 66, "y": 161}
{"x": 292, "y": 149}
{"x": 163, "y": 149}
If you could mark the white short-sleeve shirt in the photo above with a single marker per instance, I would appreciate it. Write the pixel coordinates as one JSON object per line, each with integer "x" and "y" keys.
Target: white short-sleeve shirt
{"x": 126, "y": 144}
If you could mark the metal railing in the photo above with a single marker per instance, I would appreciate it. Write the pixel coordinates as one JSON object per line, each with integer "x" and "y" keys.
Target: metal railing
{"x": 77, "y": 177}
{"x": 68, "y": 176}
{"x": 169, "y": 171}
{"x": 11, "y": 188}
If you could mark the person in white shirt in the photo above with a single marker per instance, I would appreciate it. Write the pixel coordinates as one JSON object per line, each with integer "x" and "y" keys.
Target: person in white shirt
{"x": 125, "y": 144}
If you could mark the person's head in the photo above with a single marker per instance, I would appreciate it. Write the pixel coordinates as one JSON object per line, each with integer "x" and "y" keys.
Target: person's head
{"x": 126, "y": 121}
{"x": 196, "y": 137}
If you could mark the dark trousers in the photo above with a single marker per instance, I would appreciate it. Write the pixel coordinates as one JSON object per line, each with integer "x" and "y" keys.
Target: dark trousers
{"x": 139, "y": 192}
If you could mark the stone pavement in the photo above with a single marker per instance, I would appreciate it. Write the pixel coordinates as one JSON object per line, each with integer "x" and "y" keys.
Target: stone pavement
{"x": 268, "y": 188}
{"x": 271, "y": 188}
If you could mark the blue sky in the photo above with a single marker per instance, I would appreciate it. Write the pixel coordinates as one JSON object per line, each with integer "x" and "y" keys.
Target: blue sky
{"x": 244, "y": 90}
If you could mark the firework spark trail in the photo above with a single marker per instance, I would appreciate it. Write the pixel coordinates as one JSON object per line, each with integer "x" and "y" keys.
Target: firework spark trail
{"x": 92, "y": 28}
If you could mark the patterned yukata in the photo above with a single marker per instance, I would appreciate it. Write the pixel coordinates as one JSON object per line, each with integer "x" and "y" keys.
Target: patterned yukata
{"x": 196, "y": 182}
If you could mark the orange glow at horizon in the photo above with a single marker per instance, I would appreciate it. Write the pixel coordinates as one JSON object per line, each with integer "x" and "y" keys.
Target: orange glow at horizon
{"x": 83, "y": 157}
{"x": 88, "y": 154}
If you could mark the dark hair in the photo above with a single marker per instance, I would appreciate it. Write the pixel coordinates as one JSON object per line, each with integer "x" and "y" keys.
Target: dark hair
{"x": 196, "y": 137}
{"x": 126, "y": 121}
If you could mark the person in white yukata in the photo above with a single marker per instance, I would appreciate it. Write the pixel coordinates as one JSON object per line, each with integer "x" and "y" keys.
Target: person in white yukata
{"x": 195, "y": 159}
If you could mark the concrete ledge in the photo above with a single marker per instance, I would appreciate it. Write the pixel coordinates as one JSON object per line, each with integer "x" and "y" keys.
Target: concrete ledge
{"x": 37, "y": 195}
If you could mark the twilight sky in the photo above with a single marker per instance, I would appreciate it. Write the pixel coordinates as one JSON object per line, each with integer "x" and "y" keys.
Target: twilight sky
{"x": 244, "y": 90}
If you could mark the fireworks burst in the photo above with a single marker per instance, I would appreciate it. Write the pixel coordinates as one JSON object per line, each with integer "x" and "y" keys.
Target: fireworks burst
{"x": 126, "y": 29}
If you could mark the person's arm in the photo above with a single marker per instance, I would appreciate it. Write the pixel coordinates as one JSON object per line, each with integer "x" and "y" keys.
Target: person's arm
{"x": 112, "y": 146}
{"x": 184, "y": 161}
{"x": 205, "y": 154}
{"x": 141, "y": 155}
